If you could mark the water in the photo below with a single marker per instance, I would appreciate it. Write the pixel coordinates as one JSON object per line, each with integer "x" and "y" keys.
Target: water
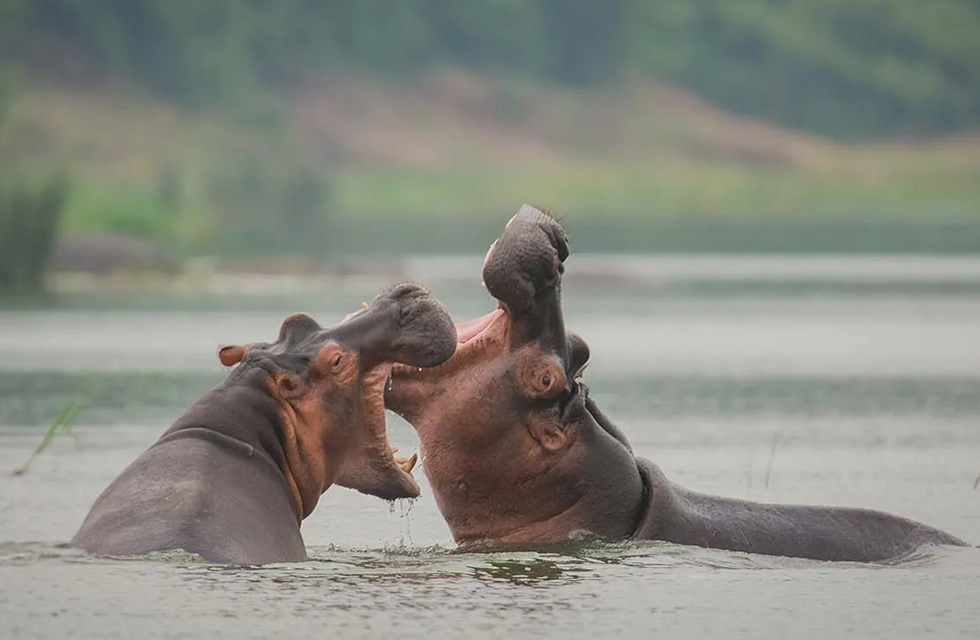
{"x": 850, "y": 382}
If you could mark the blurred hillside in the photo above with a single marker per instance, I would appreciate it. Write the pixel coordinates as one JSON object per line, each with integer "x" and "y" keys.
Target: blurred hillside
{"x": 853, "y": 67}
{"x": 249, "y": 127}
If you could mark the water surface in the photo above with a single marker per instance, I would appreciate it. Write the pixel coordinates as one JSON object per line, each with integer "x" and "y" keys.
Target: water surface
{"x": 833, "y": 390}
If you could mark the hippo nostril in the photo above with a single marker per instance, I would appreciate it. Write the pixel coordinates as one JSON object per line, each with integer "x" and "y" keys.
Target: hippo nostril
{"x": 558, "y": 239}
{"x": 405, "y": 290}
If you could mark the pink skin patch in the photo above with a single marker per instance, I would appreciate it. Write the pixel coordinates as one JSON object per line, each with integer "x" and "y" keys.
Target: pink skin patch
{"x": 466, "y": 331}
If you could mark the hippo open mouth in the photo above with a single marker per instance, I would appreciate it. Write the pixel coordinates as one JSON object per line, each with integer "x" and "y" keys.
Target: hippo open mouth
{"x": 334, "y": 378}
{"x": 522, "y": 271}
{"x": 466, "y": 331}
{"x": 499, "y": 423}
{"x": 403, "y": 326}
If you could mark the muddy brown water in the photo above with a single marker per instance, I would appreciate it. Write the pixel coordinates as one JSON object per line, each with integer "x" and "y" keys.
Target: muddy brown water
{"x": 842, "y": 386}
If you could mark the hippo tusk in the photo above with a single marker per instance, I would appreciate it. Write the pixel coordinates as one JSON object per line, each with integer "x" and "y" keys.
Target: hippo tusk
{"x": 407, "y": 464}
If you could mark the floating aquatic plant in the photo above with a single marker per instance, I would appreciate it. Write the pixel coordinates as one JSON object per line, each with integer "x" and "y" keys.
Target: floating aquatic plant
{"x": 772, "y": 455}
{"x": 61, "y": 422}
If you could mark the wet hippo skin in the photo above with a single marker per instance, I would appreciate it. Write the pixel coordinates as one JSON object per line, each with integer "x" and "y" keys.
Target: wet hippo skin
{"x": 517, "y": 452}
{"x": 233, "y": 478}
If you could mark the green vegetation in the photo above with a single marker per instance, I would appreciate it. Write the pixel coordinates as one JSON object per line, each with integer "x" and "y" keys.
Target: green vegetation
{"x": 647, "y": 172}
{"x": 846, "y": 67}
{"x": 61, "y": 423}
{"x": 239, "y": 128}
{"x": 29, "y": 217}
{"x": 30, "y": 212}
{"x": 129, "y": 211}
{"x": 276, "y": 207}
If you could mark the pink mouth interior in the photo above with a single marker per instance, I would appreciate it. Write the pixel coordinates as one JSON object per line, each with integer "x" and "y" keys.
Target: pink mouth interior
{"x": 466, "y": 331}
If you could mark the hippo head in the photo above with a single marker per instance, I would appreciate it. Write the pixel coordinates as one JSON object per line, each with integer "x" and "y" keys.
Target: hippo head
{"x": 505, "y": 428}
{"x": 328, "y": 385}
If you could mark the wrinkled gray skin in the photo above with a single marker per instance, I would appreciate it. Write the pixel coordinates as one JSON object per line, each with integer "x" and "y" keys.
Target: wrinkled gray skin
{"x": 508, "y": 467}
{"x": 215, "y": 484}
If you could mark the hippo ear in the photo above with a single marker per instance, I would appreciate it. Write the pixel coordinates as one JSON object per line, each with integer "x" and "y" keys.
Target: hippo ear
{"x": 297, "y": 327}
{"x": 549, "y": 435}
{"x": 232, "y": 354}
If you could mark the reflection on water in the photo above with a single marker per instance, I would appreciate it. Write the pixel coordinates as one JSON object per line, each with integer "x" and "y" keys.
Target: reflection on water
{"x": 868, "y": 385}
{"x": 526, "y": 573}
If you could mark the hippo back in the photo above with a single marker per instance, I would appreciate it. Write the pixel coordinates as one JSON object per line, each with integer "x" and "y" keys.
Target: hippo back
{"x": 200, "y": 491}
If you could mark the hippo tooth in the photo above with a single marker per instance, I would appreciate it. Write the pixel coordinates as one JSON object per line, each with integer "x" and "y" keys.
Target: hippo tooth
{"x": 364, "y": 305}
{"x": 407, "y": 464}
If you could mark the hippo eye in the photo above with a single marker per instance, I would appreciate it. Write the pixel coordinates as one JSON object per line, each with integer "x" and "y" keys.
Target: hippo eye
{"x": 541, "y": 377}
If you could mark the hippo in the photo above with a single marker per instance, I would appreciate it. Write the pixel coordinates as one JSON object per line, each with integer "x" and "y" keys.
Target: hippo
{"x": 517, "y": 452}
{"x": 234, "y": 477}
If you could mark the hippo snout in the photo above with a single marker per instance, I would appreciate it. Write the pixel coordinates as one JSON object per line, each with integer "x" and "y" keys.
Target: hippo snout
{"x": 424, "y": 335}
{"x": 526, "y": 260}
{"x": 405, "y": 324}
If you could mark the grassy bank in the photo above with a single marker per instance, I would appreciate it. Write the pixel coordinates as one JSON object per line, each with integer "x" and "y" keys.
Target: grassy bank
{"x": 436, "y": 166}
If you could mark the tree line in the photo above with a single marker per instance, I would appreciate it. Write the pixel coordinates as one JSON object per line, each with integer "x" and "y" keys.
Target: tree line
{"x": 848, "y": 68}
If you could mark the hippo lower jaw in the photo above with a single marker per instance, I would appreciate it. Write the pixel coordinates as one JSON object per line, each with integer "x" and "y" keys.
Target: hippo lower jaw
{"x": 377, "y": 471}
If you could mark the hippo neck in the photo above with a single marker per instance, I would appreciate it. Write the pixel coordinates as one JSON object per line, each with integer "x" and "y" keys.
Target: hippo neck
{"x": 675, "y": 514}
{"x": 242, "y": 409}
{"x": 609, "y": 487}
